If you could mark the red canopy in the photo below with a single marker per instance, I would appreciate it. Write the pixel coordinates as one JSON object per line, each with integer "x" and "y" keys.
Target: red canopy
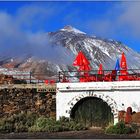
{"x": 80, "y": 60}
{"x": 123, "y": 71}
{"x": 46, "y": 81}
{"x": 84, "y": 65}
{"x": 123, "y": 62}
{"x": 85, "y": 68}
{"x": 100, "y": 70}
{"x": 85, "y": 60}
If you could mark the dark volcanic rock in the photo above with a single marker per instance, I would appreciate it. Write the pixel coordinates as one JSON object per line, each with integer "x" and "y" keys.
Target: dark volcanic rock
{"x": 14, "y": 101}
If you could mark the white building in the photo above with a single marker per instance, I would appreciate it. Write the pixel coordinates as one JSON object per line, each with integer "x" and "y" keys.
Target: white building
{"x": 119, "y": 95}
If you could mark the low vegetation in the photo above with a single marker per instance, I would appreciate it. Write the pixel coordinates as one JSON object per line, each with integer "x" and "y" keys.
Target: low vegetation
{"x": 18, "y": 123}
{"x": 121, "y": 128}
{"x": 30, "y": 122}
{"x": 50, "y": 125}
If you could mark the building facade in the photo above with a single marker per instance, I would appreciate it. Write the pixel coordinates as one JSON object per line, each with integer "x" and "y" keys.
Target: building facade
{"x": 118, "y": 95}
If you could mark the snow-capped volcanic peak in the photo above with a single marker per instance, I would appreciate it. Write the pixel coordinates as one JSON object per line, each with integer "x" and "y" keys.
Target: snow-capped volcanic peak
{"x": 69, "y": 28}
{"x": 63, "y": 46}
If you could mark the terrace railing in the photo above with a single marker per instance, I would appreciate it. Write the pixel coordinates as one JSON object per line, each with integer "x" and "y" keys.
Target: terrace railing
{"x": 29, "y": 78}
{"x": 93, "y": 76}
{"x": 82, "y": 76}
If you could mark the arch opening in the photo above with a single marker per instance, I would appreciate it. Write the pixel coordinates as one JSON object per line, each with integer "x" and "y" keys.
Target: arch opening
{"x": 92, "y": 111}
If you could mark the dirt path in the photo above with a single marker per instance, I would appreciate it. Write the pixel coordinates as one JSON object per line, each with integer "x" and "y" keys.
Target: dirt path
{"x": 87, "y": 134}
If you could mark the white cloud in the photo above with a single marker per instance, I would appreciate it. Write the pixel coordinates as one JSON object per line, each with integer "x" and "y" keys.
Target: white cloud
{"x": 14, "y": 38}
{"x": 33, "y": 15}
{"x": 17, "y": 38}
{"x": 123, "y": 18}
{"x": 130, "y": 18}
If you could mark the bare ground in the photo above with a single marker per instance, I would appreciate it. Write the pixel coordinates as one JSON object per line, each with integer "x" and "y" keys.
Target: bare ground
{"x": 86, "y": 134}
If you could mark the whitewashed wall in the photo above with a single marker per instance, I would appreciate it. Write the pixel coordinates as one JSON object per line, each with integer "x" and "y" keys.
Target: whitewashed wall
{"x": 119, "y": 95}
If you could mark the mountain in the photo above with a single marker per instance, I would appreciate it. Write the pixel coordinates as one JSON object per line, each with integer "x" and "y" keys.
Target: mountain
{"x": 61, "y": 48}
{"x": 97, "y": 50}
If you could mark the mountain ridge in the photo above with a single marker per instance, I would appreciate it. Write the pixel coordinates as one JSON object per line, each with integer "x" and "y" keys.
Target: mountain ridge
{"x": 63, "y": 45}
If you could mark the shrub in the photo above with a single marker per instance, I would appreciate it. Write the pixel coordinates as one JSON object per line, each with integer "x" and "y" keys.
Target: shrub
{"x": 17, "y": 123}
{"x": 64, "y": 119}
{"x": 24, "y": 122}
{"x": 71, "y": 124}
{"x": 6, "y": 125}
{"x": 45, "y": 124}
{"x": 41, "y": 122}
{"x": 51, "y": 125}
{"x": 119, "y": 128}
{"x": 134, "y": 127}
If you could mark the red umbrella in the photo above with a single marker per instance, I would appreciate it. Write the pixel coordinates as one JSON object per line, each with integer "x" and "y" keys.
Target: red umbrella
{"x": 100, "y": 70}
{"x": 85, "y": 68}
{"x": 80, "y": 60}
{"x": 46, "y": 81}
{"x": 123, "y": 62}
{"x": 83, "y": 64}
{"x": 85, "y": 60}
{"x": 123, "y": 71}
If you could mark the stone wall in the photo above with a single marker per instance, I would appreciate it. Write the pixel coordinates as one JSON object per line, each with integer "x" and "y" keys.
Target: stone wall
{"x": 14, "y": 101}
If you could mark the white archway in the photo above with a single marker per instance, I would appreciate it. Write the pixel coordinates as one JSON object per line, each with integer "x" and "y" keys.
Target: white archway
{"x": 107, "y": 99}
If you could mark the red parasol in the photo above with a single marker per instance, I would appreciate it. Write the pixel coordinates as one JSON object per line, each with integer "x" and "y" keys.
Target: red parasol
{"x": 84, "y": 65}
{"x": 85, "y": 68}
{"x": 123, "y": 62}
{"x": 85, "y": 60}
{"x": 80, "y": 60}
{"x": 100, "y": 70}
{"x": 46, "y": 81}
{"x": 123, "y": 71}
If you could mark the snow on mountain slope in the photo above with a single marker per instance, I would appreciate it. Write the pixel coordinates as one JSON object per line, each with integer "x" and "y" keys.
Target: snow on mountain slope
{"x": 98, "y": 50}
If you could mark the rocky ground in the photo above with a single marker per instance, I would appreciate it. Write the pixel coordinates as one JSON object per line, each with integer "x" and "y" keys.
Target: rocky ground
{"x": 86, "y": 134}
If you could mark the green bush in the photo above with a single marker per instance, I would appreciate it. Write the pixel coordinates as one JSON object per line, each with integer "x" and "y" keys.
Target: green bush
{"x": 134, "y": 127}
{"x": 69, "y": 125}
{"x": 64, "y": 119}
{"x": 119, "y": 128}
{"x": 6, "y": 125}
{"x": 17, "y": 123}
{"x": 51, "y": 125}
{"x": 24, "y": 122}
{"x": 46, "y": 124}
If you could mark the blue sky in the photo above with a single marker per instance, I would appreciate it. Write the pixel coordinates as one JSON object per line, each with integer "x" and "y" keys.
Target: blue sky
{"x": 27, "y": 21}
